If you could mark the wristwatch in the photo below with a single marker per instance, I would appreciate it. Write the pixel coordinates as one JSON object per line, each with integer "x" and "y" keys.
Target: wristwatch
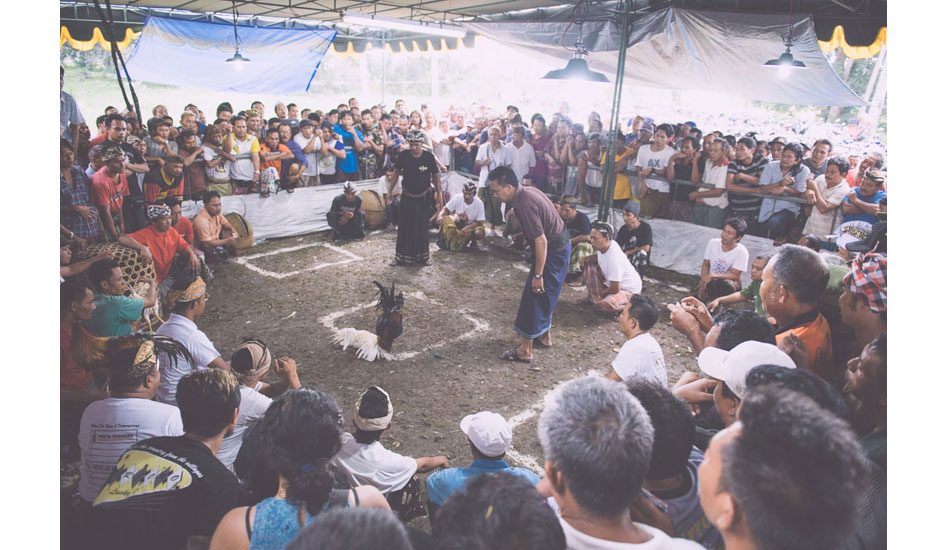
{"x": 537, "y": 275}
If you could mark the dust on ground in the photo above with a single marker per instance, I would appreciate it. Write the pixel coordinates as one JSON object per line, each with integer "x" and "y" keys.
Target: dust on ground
{"x": 458, "y": 318}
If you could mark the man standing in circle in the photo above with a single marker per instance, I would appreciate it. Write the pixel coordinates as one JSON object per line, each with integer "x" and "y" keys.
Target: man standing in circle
{"x": 550, "y": 240}
{"x": 418, "y": 169}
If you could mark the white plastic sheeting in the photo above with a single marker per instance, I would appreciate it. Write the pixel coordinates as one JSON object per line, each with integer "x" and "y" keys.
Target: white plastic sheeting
{"x": 693, "y": 50}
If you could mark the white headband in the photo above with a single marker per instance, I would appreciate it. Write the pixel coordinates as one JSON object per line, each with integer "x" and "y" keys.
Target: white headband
{"x": 374, "y": 424}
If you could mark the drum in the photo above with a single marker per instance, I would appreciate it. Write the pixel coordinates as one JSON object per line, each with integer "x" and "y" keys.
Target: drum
{"x": 374, "y": 208}
{"x": 245, "y": 233}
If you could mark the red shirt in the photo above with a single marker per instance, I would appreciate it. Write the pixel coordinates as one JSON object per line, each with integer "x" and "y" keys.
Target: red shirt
{"x": 105, "y": 192}
{"x": 71, "y": 375}
{"x": 163, "y": 247}
{"x": 186, "y": 230}
{"x": 98, "y": 139}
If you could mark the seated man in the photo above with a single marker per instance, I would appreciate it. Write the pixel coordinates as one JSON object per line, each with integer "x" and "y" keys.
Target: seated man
{"x": 792, "y": 284}
{"x": 635, "y": 237}
{"x": 640, "y": 356}
{"x": 724, "y": 261}
{"x": 165, "y": 181}
{"x": 863, "y": 202}
{"x": 345, "y": 217}
{"x": 108, "y": 190}
{"x": 462, "y": 221}
{"x": 364, "y": 461}
{"x": 674, "y": 462}
{"x": 751, "y": 293}
{"x": 167, "y": 489}
{"x": 611, "y": 280}
{"x": 187, "y": 302}
{"x": 390, "y": 189}
{"x": 129, "y": 415}
{"x": 115, "y": 312}
{"x": 182, "y": 224}
{"x": 214, "y": 235}
{"x": 250, "y": 363}
{"x": 273, "y": 155}
{"x": 781, "y": 177}
{"x": 519, "y": 517}
{"x": 597, "y": 441}
{"x": 172, "y": 256}
{"x": 578, "y": 224}
{"x": 753, "y": 467}
{"x": 489, "y": 437}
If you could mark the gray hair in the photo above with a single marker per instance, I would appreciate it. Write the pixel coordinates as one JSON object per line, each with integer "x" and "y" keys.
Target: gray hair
{"x": 354, "y": 529}
{"x": 601, "y": 439}
{"x": 802, "y": 271}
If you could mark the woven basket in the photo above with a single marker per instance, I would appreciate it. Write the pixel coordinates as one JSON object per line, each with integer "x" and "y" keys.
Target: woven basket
{"x": 374, "y": 207}
{"x": 245, "y": 233}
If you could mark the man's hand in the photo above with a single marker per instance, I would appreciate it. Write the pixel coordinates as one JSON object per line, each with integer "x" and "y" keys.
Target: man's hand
{"x": 285, "y": 367}
{"x": 442, "y": 461}
{"x": 232, "y": 240}
{"x": 80, "y": 242}
{"x": 696, "y": 392}
{"x": 194, "y": 262}
{"x": 145, "y": 253}
{"x": 693, "y": 195}
{"x": 537, "y": 285}
{"x": 778, "y": 190}
{"x": 713, "y": 305}
{"x": 645, "y": 511}
{"x": 793, "y": 346}
{"x": 810, "y": 196}
{"x": 85, "y": 212}
{"x": 682, "y": 320}
{"x": 698, "y": 309}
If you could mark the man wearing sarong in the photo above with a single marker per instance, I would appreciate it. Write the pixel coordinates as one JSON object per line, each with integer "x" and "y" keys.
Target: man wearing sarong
{"x": 346, "y": 218}
{"x": 578, "y": 225}
{"x": 546, "y": 233}
{"x": 160, "y": 243}
{"x": 419, "y": 173}
{"x": 610, "y": 278}
{"x": 462, "y": 221}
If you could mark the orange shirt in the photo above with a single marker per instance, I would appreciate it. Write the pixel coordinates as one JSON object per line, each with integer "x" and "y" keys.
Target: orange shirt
{"x": 265, "y": 164}
{"x": 208, "y": 228}
{"x": 71, "y": 375}
{"x": 163, "y": 246}
{"x": 815, "y": 333}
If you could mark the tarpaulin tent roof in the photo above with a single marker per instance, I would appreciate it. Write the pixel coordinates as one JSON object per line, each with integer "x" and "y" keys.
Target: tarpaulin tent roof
{"x": 849, "y": 23}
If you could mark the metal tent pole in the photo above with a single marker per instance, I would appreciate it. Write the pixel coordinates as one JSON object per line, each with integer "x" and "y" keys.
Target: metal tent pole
{"x": 609, "y": 178}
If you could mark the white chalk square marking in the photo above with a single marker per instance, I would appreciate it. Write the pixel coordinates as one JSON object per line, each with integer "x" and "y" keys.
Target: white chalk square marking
{"x": 348, "y": 258}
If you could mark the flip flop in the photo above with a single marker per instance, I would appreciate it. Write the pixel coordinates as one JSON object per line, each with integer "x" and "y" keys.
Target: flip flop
{"x": 512, "y": 355}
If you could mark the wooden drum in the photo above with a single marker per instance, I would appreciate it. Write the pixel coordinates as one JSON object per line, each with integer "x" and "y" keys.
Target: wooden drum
{"x": 374, "y": 207}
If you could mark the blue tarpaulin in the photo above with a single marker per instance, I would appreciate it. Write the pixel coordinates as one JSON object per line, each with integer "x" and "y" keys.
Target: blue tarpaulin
{"x": 193, "y": 53}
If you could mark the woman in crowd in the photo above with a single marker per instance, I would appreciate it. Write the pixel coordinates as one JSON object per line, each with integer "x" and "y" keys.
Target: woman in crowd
{"x": 300, "y": 433}
{"x": 540, "y": 139}
{"x": 576, "y": 146}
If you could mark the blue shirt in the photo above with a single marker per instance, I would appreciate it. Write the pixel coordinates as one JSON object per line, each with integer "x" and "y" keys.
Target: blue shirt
{"x": 299, "y": 157}
{"x": 773, "y": 174}
{"x": 443, "y": 483}
{"x": 348, "y": 164}
{"x": 864, "y": 216}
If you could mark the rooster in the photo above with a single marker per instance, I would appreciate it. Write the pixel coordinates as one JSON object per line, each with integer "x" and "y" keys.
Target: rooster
{"x": 371, "y": 346}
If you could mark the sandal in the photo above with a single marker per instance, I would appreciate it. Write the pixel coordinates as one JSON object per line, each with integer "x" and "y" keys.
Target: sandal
{"x": 512, "y": 355}
{"x": 542, "y": 344}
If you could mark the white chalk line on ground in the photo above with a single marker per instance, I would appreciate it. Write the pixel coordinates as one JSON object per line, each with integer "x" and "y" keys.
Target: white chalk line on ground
{"x": 668, "y": 285}
{"x": 479, "y": 325}
{"x": 528, "y": 461}
{"x": 245, "y": 260}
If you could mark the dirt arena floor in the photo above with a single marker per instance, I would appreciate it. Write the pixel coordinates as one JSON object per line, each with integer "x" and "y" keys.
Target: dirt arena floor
{"x": 459, "y": 312}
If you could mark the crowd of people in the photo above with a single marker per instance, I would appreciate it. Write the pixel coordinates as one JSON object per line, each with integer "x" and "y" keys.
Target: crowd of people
{"x": 779, "y": 443}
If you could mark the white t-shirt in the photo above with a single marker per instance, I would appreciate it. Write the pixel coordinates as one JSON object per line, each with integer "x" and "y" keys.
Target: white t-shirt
{"x": 202, "y": 351}
{"x": 641, "y": 357}
{"x": 657, "y": 161}
{"x": 715, "y": 175}
{"x": 474, "y": 211}
{"x": 617, "y": 267}
{"x": 253, "y": 406}
{"x": 243, "y": 167}
{"x": 383, "y": 188}
{"x": 501, "y": 157}
{"x": 373, "y": 464}
{"x": 442, "y": 151}
{"x": 326, "y": 166}
{"x": 110, "y": 426}
{"x": 577, "y": 540}
{"x": 219, "y": 173}
{"x": 522, "y": 159}
{"x": 721, "y": 261}
{"x": 311, "y": 169}
{"x": 819, "y": 224}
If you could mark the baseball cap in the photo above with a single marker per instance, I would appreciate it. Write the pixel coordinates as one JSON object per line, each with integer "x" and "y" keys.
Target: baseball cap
{"x": 633, "y": 207}
{"x": 851, "y": 232}
{"x": 779, "y": 140}
{"x": 155, "y": 122}
{"x": 877, "y": 176}
{"x": 488, "y": 431}
{"x": 732, "y": 366}
{"x": 647, "y": 126}
{"x": 876, "y": 240}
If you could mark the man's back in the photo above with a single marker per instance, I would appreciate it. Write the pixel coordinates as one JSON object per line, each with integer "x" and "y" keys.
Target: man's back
{"x": 441, "y": 484}
{"x": 163, "y": 490}
{"x": 814, "y": 331}
{"x": 202, "y": 351}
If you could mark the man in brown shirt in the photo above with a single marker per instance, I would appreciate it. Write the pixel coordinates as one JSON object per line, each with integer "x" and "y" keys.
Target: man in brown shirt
{"x": 213, "y": 234}
{"x": 547, "y": 236}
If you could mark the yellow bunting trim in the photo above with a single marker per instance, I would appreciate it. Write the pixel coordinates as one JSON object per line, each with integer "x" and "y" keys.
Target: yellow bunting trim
{"x": 854, "y": 52}
{"x": 97, "y": 38}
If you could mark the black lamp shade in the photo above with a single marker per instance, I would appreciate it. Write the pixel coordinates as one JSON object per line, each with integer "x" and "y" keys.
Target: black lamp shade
{"x": 786, "y": 60}
{"x": 576, "y": 69}
{"x": 238, "y": 58}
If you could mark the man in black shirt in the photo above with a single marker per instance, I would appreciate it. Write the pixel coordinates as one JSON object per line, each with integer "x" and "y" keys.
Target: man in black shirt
{"x": 578, "y": 224}
{"x": 635, "y": 237}
{"x": 345, "y": 217}
{"x": 419, "y": 174}
{"x": 167, "y": 489}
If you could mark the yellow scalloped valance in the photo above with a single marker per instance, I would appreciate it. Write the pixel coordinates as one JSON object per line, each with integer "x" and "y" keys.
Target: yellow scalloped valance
{"x": 854, "y": 52}
{"x": 97, "y": 38}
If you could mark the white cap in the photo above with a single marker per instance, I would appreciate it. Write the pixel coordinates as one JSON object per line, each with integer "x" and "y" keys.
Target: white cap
{"x": 732, "y": 366}
{"x": 488, "y": 431}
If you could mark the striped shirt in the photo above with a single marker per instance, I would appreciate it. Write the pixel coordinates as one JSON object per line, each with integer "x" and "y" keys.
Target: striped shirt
{"x": 745, "y": 205}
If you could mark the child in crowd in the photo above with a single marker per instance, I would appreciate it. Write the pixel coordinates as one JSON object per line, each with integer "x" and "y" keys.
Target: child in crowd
{"x": 751, "y": 292}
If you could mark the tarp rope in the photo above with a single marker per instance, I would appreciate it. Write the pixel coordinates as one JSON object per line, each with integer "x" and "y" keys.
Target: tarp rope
{"x": 117, "y": 59}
